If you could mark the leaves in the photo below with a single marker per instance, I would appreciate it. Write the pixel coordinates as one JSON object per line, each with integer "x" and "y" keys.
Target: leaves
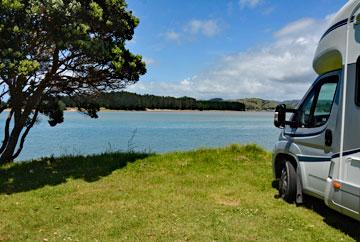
{"x": 28, "y": 66}
{"x": 67, "y": 47}
{"x": 96, "y": 11}
{"x": 12, "y": 4}
{"x": 55, "y": 48}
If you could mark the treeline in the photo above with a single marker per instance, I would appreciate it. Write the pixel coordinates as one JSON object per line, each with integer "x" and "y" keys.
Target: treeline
{"x": 132, "y": 101}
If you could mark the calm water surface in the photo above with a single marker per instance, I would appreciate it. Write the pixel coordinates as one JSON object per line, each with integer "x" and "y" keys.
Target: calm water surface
{"x": 148, "y": 131}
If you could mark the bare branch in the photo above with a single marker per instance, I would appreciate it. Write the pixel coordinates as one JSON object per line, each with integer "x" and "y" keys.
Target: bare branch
{"x": 5, "y": 81}
{"x": 4, "y": 92}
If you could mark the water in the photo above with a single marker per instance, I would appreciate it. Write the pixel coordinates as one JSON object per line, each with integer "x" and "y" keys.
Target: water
{"x": 147, "y": 131}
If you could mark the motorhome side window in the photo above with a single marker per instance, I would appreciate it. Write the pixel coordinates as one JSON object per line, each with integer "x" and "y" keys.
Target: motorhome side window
{"x": 315, "y": 110}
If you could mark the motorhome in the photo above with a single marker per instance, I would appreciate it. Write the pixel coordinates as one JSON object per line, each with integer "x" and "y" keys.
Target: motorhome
{"x": 318, "y": 151}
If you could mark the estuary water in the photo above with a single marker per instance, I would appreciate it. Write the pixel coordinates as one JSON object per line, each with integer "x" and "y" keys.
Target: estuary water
{"x": 147, "y": 131}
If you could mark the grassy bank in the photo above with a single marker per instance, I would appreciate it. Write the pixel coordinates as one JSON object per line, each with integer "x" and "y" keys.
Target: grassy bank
{"x": 205, "y": 195}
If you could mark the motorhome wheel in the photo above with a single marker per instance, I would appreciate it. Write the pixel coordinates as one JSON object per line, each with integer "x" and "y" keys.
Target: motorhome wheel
{"x": 287, "y": 183}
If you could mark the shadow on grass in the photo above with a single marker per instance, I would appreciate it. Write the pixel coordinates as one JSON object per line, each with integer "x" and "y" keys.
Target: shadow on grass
{"x": 54, "y": 171}
{"x": 345, "y": 224}
{"x": 336, "y": 220}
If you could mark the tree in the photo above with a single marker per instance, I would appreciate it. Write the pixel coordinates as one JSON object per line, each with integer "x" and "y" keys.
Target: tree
{"x": 55, "y": 48}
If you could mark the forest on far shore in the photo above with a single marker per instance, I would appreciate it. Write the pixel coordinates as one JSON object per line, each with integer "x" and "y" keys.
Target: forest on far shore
{"x": 132, "y": 101}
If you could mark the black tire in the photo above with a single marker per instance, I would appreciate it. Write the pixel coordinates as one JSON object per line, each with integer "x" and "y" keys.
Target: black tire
{"x": 287, "y": 183}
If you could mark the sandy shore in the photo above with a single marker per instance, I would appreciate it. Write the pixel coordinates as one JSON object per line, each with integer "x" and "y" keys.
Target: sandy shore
{"x": 151, "y": 110}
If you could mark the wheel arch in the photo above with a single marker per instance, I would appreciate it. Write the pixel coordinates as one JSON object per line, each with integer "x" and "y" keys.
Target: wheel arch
{"x": 279, "y": 163}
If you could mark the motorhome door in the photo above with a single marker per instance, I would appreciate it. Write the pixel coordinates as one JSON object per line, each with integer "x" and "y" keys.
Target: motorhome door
{"x": 315, "y": 120}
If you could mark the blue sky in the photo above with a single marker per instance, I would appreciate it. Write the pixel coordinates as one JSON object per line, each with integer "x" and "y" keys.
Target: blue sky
{"x": 229, "y": 48}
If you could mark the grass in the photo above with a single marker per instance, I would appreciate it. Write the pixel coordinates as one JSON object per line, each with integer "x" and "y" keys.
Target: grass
{"x": 204, "y": 195}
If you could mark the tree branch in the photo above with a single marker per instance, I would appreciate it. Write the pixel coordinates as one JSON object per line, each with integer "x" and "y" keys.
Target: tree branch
{"x": 3, "y": 94}
{"x": 23, "y": 137}
{"x": 36, "y": 97}
{"x": 7, "y": 131}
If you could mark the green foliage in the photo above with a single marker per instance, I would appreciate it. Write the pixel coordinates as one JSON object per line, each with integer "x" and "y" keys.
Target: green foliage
{"x": 33, "y": 32}
{"x": 55, "y": 48}
{"x": 203, "y": 195}
{"x": 132, "y": 101}
{"x": 54, "y": 109}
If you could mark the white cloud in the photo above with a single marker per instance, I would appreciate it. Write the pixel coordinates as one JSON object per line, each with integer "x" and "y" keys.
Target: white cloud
{"x": 279, "y": 70}
{"x": 172, "y": 36}
{"x": 250, "y": 3}
{"x": 194, "y": 28}
{"x": 208, "y": 28}
{"x": 296, "y": 27}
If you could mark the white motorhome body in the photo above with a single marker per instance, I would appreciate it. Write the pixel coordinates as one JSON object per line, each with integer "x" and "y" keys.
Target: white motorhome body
{"x": 318, "y": 152}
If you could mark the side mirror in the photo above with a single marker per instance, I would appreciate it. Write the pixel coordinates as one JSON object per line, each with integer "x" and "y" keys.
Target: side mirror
{"x": 280, "y": 116}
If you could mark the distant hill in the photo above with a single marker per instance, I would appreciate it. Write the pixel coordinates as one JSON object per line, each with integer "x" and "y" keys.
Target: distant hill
{"x": 291, "y": 103}
{"x": 133, "y": 101}
{"x": 257, "y": 104}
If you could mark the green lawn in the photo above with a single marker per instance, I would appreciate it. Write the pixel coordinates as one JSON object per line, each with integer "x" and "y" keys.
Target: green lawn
{"x": 204, "y": 195}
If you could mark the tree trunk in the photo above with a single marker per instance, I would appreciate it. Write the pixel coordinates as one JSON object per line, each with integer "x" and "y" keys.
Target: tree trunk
{"x": 13, "y": 143}
{"x": 7, "y": 155}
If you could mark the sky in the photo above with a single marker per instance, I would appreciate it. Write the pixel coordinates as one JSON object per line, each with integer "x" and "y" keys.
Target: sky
{"x": 229, "y": 49}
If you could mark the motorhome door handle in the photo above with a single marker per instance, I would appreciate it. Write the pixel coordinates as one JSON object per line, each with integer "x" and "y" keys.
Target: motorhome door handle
{"x": 328, "y": 137}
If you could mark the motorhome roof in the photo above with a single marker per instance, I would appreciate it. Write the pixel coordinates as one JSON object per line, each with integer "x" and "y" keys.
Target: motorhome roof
{"x": 330, "y": 53}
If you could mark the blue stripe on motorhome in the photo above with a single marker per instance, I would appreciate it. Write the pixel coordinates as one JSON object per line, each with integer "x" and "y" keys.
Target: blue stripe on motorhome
{"x": 337, "y": 25}
{"x": 325, "y": 159}
{"x": 345, "y": 153}
{"x": 313, "y": 159}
